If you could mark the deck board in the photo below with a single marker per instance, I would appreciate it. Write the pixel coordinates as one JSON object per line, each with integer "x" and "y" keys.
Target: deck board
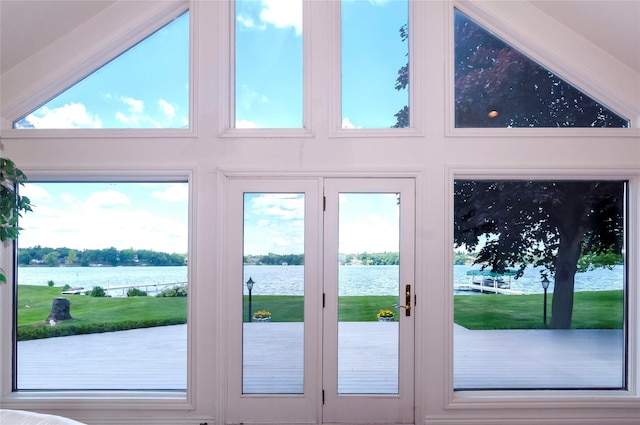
{"x": 156, "y": 358}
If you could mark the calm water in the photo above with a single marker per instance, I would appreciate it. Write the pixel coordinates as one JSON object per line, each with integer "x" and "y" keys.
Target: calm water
{"x": 289, "y": 280}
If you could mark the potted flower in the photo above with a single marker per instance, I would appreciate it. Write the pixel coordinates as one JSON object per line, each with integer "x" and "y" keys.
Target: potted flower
{"x": 262, "y": 316}
{"x": 386, "y": 315}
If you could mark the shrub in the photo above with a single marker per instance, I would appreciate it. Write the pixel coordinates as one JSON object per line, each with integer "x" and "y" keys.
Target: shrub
{"x": 97, "y": 291}
{"x": 176, "y": 291}
{"x": 46, "y": 331}
{"x": 50, "y": 283}
{"x": 66, "y": 287}
{"x": 135, "y": 292}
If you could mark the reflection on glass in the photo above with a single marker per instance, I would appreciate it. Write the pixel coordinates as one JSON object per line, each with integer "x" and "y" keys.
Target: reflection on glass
{"x": 539, "y": 285}
{"x": 375, "y": 57}
{"x": 268, "y": 83}
{"x": 273, "y": 287}
{"x": 102, "y": 287}
{"x": 368, "y": 285}
{"x": 497, "y": 86}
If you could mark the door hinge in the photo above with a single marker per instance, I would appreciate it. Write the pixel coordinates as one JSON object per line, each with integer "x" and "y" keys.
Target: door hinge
{"x": 322, "y": 396}
{"x": 324, "y": 203}
{"x": 323, "y": 298}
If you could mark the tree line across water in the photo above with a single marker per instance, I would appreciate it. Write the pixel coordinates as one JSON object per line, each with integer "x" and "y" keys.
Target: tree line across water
{"x": 364, "y": 259}
{"x": 55, "y": 257}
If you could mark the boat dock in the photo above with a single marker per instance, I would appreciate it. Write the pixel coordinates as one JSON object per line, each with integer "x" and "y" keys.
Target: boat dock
{"x": 485, "y": 281}
{"x": 121, "y": 290}
{"x": 477, "y": 287}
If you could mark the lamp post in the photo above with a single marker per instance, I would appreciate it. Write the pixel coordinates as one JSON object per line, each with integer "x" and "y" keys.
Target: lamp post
{"x": 250, "y": 283}
{"x": 545, "y": 286}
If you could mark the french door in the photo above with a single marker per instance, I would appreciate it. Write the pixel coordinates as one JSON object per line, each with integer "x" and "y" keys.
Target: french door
{"x": 311, "y": 264}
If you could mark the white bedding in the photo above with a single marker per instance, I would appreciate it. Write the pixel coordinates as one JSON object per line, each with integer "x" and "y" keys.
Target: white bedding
{"x": 21, "y": 417}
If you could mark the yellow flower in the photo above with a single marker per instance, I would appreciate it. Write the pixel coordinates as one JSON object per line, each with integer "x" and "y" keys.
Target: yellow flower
{"x": 262, "y": 314}
{"x": 385, "y": 313}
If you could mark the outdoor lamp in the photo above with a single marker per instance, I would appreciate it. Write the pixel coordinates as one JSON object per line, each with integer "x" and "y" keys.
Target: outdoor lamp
{"x": 250, "y": 283}
{"x": 545, "y": 286}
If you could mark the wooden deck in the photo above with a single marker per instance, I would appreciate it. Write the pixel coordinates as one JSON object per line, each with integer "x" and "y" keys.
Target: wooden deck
{"x": 156, "y": 359}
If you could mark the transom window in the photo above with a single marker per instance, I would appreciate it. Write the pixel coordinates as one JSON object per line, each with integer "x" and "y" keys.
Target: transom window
{"x": 145, "y": 87}
{"x": 497, "y": 86}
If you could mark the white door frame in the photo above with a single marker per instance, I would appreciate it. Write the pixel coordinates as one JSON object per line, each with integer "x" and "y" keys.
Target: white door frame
{"x": 308, "y": 408}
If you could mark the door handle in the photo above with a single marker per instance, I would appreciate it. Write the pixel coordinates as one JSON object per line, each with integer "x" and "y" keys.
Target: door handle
{"x": 407, "y": 301}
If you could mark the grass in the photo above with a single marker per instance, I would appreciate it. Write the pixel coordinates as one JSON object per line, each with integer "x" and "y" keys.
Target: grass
{"x": 288, "y": 308}
{"x": 93, "y": 314}
{"x": 592, "y": 310}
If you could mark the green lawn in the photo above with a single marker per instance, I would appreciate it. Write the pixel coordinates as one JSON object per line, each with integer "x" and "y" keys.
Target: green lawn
{"x": 592, "y": 310}
{"x": 286, "y": 308}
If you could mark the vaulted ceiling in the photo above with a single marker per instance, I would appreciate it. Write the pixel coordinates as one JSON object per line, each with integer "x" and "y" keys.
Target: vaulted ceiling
{"x": 29, "y": 27}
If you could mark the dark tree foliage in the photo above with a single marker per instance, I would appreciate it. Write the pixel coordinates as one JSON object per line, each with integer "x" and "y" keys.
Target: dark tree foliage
{"x": 402, "y": 82}
{"x": 492, "y": 76}
{"x": 540, "y": 223}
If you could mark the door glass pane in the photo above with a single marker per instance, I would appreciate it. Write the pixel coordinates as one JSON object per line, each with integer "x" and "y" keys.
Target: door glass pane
{"x": 102, "y": 287}
{"x": 268, "y": 86}
{"x": 273, "y": 304}
{"x": 368, "y": 285}
{"x": 539, "y": 285}
{"x": 375, "y": 57}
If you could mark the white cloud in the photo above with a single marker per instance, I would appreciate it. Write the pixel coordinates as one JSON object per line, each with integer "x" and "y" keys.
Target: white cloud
{"x": 283, "y": 13}
{"x": 35, "y": 193}
{"x": 135, "y": 117}
{"x": 72, "y": 115}
{"x": 122, "y": 118}
{"x": 245, "y": 124}
{"x": 107, "y": 198}
{"x": 278, "y": 225}
{"x": 168, "y": 109}
{"x": 279, "y": 13}
{"x": 346, "y": 123}
{"x": 135, "y": 105}
{"x": 246, "y": 21}
{"x": 177, "y": 192}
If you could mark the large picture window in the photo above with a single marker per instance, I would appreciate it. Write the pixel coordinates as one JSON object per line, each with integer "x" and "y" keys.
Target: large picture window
{"x": 539, "y": 285}
{"x": 102, "y": 287}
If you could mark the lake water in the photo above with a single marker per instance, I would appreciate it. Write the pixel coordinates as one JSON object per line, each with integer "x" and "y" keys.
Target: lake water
{"x": 289, "y": 280}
